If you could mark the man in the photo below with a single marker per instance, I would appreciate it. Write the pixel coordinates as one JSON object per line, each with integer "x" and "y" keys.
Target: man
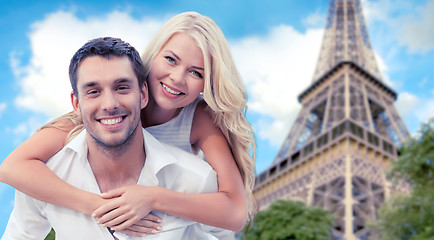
{"x": 109, "y": 91}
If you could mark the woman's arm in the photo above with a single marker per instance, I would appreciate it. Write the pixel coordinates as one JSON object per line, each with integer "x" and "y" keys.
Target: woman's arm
{"x": 24, "y": 169}
{"x": 225, "y": 209}
{"x": 228, "y": 207}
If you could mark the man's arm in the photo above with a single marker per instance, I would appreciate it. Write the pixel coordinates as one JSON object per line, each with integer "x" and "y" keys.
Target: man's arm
{"x": 27, "y": 221}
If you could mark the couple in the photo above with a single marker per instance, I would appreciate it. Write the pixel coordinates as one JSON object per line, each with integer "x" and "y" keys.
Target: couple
{"x": 188, "y": 55}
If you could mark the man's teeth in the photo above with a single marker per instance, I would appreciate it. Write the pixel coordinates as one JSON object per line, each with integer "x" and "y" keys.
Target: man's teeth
{"x": 170, "y": 90}
{"x": 111, "y": 121}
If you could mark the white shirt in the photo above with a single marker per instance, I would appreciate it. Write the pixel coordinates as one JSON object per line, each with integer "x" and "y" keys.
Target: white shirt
{"x": 165, "y": 166}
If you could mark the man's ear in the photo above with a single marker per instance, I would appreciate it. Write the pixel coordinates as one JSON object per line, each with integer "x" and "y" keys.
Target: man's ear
{"x": 75, "y": 104}
{"x": 144, "y": 96}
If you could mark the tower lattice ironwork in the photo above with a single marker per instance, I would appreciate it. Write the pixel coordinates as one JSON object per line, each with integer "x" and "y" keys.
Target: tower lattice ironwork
{"x": 345, "y": 135}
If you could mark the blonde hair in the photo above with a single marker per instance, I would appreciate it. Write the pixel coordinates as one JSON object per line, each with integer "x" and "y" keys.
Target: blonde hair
{"x": 223, "y": 89}
{"x": 67, "y": 122}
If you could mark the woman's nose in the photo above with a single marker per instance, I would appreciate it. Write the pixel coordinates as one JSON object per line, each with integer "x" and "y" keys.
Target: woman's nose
{"x": 177, "y": 75}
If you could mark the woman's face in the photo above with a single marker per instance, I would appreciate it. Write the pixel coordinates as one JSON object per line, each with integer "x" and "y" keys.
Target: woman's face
{"x": 177, "y": 73}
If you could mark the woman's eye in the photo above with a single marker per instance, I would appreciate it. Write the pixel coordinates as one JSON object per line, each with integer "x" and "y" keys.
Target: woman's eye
{"x": 170, "y": 59}
{"x": 196, "y": 74}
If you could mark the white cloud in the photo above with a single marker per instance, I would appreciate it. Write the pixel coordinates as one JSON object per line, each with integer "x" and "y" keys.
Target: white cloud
{"x": 44, "y": 80}
{"x": 425, "y": 111}
{"x": 385, "y": 10}
{"x": 412, "y": 29}
{"x": 25, "y": 129}
{"x": 316, "y": 20}
{"x": 383, "y": 68}
{"x": 417, "y": 29}
{"x": 276, "y": 69}
{"x": 276, "y": 131}
{"x": 409, "y": 104}
{"x": 406, "y": 103}
{"x": 20, "y": 129}
{"x": 2, "y": 108}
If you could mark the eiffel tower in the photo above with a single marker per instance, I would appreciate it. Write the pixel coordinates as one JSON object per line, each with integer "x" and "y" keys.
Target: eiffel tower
{"x": 345, "y": 135}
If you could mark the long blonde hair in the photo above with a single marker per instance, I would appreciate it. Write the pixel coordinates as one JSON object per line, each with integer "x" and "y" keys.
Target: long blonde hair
{"x": 223, "y": 89}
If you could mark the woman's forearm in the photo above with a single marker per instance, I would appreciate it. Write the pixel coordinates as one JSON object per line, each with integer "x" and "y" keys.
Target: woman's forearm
{"x": 228, "y": 207}
{"x": 215, "y": 209}
{"x": 24, "y": 169}
{"x": 36, "y": 180}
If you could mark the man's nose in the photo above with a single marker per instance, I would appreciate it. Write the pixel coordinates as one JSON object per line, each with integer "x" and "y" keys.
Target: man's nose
{"x": 109, "y": 101}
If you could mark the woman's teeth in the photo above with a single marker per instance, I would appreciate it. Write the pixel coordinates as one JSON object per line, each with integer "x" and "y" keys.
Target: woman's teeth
{"x": 171, "y": 90}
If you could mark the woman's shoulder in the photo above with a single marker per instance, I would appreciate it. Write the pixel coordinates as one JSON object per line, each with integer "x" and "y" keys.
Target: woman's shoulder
{"x": 203, "y": 111}
{"x": 203, "y": 121}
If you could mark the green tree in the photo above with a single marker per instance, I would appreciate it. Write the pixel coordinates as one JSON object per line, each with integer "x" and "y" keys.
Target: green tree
{"x": 411, "y": 217}
{"x": 286, "y": 219}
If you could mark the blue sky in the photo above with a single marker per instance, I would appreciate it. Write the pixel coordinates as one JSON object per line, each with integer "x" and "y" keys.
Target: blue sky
{"x": 275, "y": 45}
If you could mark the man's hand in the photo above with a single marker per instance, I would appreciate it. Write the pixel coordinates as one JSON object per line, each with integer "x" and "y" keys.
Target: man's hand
{"x": 144, "y": 226}
{"x": 128, "y": 211}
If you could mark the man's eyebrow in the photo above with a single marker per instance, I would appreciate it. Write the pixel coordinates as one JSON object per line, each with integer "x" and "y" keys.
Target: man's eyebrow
{"x": 123, "y": 80}
{"x": 88, "y": 85}
{"x": 117, "y": 81}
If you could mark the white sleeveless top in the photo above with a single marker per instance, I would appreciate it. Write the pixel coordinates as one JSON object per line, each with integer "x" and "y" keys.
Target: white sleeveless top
{"x": 177, "y": 130}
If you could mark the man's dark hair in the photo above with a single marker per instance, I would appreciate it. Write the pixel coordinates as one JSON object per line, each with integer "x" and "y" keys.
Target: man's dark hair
{"x": 106, "y": 47}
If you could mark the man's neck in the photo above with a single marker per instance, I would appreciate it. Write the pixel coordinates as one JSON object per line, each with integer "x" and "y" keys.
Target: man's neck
{"x": 115, "y": 168}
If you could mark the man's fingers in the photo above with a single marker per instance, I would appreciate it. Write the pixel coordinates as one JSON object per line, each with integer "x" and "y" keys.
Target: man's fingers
{"x": 147, "y": 224}
{"x": 152, "y": 217}
{"x": 133, "y": 233}
{"x": 121, "y": 223}
{"x": 144, "y": 228}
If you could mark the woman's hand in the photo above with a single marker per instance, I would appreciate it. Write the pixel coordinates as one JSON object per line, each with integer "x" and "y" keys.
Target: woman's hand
{"x": 129, "y": 210}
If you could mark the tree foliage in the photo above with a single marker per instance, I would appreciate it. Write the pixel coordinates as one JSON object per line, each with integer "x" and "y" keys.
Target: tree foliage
{"x": 51, "y": 235}
{"x": 286, "y": 219}
{"x": 416, "y": 162}
{"x": 411, "y": 217}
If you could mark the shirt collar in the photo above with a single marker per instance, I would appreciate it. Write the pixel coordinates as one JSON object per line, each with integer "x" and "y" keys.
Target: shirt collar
{"x": 79, "y": 145}
{"x": 157, "y": 155}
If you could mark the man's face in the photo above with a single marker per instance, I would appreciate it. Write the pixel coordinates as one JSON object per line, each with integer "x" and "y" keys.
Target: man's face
{"x": 109, "y": 99}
